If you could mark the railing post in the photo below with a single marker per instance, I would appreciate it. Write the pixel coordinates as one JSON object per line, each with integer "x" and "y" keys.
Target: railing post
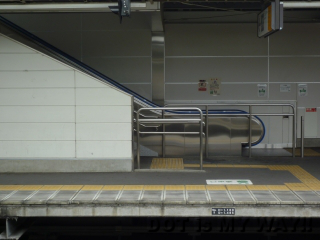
{"x": 250, "y": 129}
{"x": 201, "y": 139}
{"x": 138, "y": 139}
{"x": 163, "y": 136}
{"x": 294, "y": 129}
{"x": 302, "y": 136}
{"x": 207, "y": 132}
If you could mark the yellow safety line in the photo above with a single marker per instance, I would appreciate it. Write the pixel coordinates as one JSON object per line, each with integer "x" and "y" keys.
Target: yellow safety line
{"x": 216, "y": 188}
{"x": 257, "y": 187}
{"x": 51, "y": 187}
{"x": 308, "y": 152}
{"x": 92, "y": 187}
{"x": 10, "y": 187}
{"x": 153, "y": 187}
{"x": 278, "y": 188}
{"x": 167, "y": 163}
{"x": 30, "y": 187}
{"x": 133, "y": 187}
{"x": 236, "y": 187}
{"x": 112, "y": 187}
{"x": 195, "y": 187}
{"x": 71, "y": 187}
{"x": 174, "y": 187}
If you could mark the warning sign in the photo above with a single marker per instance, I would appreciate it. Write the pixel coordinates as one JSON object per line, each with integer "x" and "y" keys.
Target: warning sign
{"x": 311, "y": 110}
{"x": 202, "y": 86}
{"x": 215, "y": 86}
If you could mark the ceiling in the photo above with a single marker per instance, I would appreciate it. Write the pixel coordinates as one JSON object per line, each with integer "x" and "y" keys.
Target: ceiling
{"x": 210, "y": 11}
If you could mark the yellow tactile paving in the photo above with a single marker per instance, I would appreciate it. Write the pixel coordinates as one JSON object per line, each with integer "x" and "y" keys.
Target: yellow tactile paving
{"x": 314, "y": 186}
{"x": 30, "y": 187}
{"x": 191, "y": 165}
{"x": 258, "y": 166}
{"x": 167, "y": 163}
{"x": 236, "y": 187}
{"x": 133, "y": 187}
{"x": 308, "y": 152}
{"x": 278, "y": 188}
{"x": 216, "y": 187}
{"x": 174, "y": 187}
{"x": 257, "y": 187}
{"x": 241, "y": 166}
{"x": 297, "y": 187}
{"x": 50, "y": 187}
{"x": 10, "y": 187}
{"x": 277, "y": 167}
{"x": 92, "y": 187}
{"x": 225, "y": 165}
{"x": 153, "y": 187}
{"x": 209, "y": 165}
{"x": 195, "y": 188}
{"x": 112, "y": 187}
{"x": 71, "y": 187}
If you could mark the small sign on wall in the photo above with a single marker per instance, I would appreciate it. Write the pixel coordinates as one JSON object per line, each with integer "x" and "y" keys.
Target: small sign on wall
{"x": 262, "y": 90}
{"x": 202, "y": 86}
{"x": 215, "y": 86}
{"x": 311, "y": 109}
{"x": 303, "y": 90}
{"x": 285, "y": 87}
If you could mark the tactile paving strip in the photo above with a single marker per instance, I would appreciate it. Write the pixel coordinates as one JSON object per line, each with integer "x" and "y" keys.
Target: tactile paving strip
{"x": 167, "y": 163}
{"x": 306, "y": 192}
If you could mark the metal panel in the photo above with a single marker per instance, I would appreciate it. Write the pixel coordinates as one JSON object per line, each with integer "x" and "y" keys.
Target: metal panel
{"x": 157, "y": 44}
{"x": 214, "y": 39}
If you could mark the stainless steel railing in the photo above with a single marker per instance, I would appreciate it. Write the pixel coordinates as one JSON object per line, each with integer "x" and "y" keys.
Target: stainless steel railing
{"x": 197, "y": 120}
{"x": 249, "y": 115}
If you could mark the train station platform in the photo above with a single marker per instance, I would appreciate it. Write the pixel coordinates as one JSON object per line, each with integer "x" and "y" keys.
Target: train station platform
{"x": 281, "y": 187}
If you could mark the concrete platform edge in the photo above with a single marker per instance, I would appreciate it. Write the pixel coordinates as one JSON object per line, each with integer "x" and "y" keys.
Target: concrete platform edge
{"x": 126, "y": 210}
{"x": 59, "y": 165}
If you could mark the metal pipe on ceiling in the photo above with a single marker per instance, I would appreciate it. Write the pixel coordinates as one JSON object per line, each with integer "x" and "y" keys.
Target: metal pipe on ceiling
{"x": 104, "y": 7}
{"x": 74, "y": 7}
{"x": 314, "y": 4}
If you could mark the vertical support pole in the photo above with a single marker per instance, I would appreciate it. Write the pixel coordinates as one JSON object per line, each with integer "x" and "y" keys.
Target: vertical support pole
{"x": 302, "y": 136}
{"x": 201, "y": 139}
{"x": 157, "y": 60}
{"x": 294, "y": 129}
{"x": 207, "y": 131}
{"x": 138, "y": 139}
{"x": 250, "y": 129}
{"x": 132, "y": 136}
{"x": 163, "y": 136}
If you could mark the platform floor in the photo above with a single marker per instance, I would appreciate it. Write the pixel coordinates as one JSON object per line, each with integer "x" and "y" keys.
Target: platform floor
{"x": 281, "y": 186}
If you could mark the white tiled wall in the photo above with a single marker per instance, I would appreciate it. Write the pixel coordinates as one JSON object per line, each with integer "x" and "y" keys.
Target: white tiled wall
{"x": 120, "y": 51}
{"x": 233, "y": 53}
{"x": 49, "y": 110}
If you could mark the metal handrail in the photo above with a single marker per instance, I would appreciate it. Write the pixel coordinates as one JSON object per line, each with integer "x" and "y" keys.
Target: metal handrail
{"x": 165, "y": 121}
{"x": 250, "y": 114}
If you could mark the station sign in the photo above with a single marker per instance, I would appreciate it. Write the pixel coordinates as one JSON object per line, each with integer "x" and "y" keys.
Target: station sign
{"x": 270, "y": 20}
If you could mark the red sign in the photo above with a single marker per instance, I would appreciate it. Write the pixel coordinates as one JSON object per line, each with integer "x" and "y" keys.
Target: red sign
{"x": 311, "y": 109}
{"x": 202, "y": 86}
